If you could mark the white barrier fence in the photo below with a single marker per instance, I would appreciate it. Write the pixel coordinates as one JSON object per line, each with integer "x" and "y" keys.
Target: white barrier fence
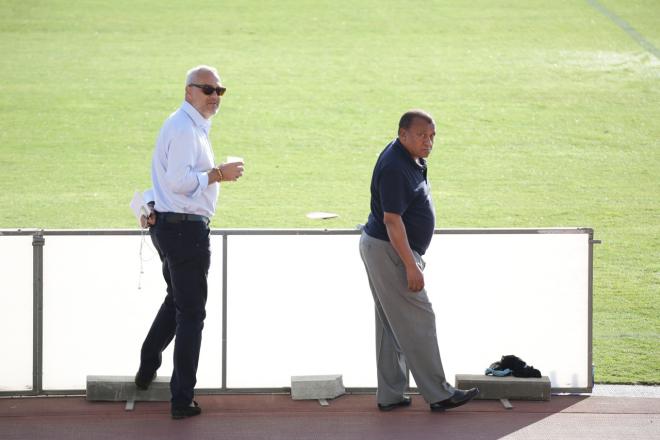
{"x": 289, "y": 302}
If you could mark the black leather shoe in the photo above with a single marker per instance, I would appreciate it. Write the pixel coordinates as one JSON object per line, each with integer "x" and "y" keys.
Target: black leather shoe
{"x": 390, "y": 406}
{"x": 143, "y": 383}
{"x": 186, "y": 411}
{"x": 460, "y": 397}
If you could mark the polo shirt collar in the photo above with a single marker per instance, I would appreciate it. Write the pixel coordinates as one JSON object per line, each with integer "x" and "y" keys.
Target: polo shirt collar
{"x": 198, "y": 119}
{"x": 402, "y": 150}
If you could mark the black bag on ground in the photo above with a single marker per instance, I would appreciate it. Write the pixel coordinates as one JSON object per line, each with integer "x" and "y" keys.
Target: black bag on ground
{"x": 518, "y": 367}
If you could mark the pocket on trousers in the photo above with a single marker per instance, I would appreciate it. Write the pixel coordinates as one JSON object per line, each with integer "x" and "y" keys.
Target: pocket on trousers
{"x": 183, "y": 244}
{"x": 393, "y": 255}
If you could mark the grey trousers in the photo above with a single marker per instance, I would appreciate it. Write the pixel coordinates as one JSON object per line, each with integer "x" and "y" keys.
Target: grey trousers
{"x": 405, "y": 327}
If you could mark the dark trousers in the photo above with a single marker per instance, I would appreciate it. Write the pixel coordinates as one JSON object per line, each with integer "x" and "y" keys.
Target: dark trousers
{"x": 184, "y": 250}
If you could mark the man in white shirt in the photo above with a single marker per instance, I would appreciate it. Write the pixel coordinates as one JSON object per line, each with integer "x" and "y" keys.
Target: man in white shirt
{"x": 185, "y": 191}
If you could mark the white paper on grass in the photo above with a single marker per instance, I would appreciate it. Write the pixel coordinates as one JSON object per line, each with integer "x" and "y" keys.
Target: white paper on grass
{"x": 320, "y": 215}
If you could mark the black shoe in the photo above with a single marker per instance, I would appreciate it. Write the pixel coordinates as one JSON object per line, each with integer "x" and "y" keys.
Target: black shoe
{"x": 390, "y": 406}
{"x": 460, "y": 397}
{"x": 186, "y": 411}
{"x": 143, "y": 383}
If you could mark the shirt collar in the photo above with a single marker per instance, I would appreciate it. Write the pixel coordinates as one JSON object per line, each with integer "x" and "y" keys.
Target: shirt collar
{"x": 402, "y": 150}
{"x": 198, "y": 119}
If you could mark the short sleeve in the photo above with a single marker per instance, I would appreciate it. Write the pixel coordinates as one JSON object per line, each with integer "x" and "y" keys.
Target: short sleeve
{"x": 394, "y": 190}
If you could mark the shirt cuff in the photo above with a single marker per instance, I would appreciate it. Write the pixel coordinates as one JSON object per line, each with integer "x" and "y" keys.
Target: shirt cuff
{"x": 202, "y": 184}
{"x": 149, "y": 195}
{"x": 203, "y": 180}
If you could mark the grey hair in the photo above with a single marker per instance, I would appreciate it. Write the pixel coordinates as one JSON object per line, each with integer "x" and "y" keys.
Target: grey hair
{"x": 191, "y": 75}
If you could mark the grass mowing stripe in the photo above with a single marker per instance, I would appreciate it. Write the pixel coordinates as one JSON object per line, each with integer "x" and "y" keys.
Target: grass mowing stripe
{"x": 623, "y": 24}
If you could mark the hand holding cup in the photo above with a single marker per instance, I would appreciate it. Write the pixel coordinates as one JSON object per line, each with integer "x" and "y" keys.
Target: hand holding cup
{"x": 232, "y": 169}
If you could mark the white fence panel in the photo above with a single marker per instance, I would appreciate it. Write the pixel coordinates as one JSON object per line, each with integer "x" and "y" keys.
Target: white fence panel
{"x": 95, "y": 317}
{"x": 297, "y": 304}
{"x": 16, "y": 313}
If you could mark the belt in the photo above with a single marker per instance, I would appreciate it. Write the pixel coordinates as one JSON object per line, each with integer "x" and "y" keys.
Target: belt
{"x": 176, "y": 217}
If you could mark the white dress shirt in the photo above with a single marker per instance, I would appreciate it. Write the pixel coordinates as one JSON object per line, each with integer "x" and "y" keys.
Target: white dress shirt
{"x": 182, "y": 157}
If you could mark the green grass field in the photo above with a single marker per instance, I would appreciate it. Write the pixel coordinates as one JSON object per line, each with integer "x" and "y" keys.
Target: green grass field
{"x": 548, "y": 115}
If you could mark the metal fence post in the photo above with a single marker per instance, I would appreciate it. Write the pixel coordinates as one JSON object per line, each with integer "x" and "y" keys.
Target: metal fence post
{"x": 590, "y": 363}
{"x": 38, "y": 242}
{"x": 224, "y": 311}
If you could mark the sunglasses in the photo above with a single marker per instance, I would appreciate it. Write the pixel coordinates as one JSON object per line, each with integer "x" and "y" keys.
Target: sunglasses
{"x": 208, "y": 90}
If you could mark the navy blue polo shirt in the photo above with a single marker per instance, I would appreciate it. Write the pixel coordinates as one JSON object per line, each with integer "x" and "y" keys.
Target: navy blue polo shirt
{"x": 399, "y": 185}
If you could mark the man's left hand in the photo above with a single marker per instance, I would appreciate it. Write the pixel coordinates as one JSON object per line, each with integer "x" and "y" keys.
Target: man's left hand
{"x": 145, "y": 221}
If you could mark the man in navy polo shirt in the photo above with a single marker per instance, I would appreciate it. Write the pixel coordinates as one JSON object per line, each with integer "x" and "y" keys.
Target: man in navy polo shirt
{"x": 397, "y": 234}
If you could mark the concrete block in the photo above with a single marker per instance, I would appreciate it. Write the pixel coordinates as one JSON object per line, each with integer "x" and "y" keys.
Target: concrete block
{"x": 317, "y": 387}
{"x": 508, "y": 387}
{"x": 120, "y": 388}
